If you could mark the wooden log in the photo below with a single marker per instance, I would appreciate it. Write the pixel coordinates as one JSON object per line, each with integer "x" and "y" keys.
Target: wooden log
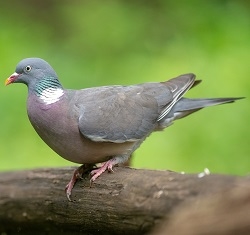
{"x": 128, "y": 201}
{"x": 225, "y": 213}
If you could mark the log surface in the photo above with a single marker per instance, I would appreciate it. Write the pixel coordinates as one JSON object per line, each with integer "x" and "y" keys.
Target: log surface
{"x": 128, "y": 201}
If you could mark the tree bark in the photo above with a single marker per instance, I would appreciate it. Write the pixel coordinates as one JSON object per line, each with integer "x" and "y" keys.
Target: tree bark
{"x": 128, "y": 201}
{"x": 225, "y": 213}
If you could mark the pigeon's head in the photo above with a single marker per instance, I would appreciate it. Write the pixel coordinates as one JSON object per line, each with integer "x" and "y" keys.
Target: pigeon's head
{"x": 30, "y": 71}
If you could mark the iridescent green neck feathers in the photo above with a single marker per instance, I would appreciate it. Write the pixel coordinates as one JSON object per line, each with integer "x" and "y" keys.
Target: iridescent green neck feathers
{"x": 49, "y": 90}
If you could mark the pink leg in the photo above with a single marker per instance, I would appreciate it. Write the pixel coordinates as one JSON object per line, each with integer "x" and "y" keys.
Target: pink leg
{"x": 106, "y": 166}
{"x": 76, "y": 175}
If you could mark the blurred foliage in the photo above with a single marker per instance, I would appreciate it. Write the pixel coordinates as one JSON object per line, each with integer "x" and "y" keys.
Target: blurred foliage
{"x": 94, "y": 43}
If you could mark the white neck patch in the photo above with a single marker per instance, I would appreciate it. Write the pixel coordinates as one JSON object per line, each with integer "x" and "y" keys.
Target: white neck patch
{"x": 51, "y": 95}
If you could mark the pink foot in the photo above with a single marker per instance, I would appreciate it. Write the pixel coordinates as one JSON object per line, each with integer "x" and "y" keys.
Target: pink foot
{"x": 97, "y": 172}
{"x": 76, "y": 175}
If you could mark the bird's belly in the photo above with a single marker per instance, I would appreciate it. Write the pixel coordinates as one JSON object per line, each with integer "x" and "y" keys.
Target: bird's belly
{"x": 64, "y": 137}
{"x": 79, "y": 149}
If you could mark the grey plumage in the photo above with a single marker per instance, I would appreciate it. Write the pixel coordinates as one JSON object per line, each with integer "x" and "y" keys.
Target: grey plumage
{"x": 106, "y": 123}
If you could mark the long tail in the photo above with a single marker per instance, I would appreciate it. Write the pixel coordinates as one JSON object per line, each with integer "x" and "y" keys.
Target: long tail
{"x": 185, "y": 106}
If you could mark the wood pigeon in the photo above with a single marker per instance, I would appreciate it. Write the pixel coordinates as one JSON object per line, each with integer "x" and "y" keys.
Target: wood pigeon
{"x": 101, "y": 124}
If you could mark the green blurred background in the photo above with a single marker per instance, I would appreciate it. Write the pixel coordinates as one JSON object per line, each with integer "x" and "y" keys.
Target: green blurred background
{"x": 94, "y": 43}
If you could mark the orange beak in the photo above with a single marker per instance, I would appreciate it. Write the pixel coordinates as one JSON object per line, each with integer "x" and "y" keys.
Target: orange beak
{"x": 11, "y": 79}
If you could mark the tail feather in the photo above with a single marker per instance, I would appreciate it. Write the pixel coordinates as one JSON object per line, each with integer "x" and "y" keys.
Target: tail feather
{"x": 179, "y": 106}
{"x": 185, "y": 106}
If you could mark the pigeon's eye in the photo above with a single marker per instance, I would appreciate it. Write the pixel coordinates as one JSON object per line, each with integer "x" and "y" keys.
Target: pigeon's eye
{"x": 27, "y": 68}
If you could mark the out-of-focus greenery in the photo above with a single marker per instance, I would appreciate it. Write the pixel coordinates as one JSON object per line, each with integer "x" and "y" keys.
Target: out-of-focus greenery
{"x": 94, "y": 43}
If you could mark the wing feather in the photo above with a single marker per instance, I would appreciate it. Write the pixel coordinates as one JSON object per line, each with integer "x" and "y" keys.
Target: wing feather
{"x": 127, "y": 113}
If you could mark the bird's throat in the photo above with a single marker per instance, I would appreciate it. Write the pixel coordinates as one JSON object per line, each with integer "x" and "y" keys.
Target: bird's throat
{"x": 49, "y": 90}
{"x": 51, "y": 95}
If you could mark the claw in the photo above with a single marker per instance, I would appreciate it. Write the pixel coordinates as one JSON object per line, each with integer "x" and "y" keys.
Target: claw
{"x": 110, "y": 168}
{"x": 69, "y": 188}
{"x": 76, "y": 175}
{"x": 97, "y": 172}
